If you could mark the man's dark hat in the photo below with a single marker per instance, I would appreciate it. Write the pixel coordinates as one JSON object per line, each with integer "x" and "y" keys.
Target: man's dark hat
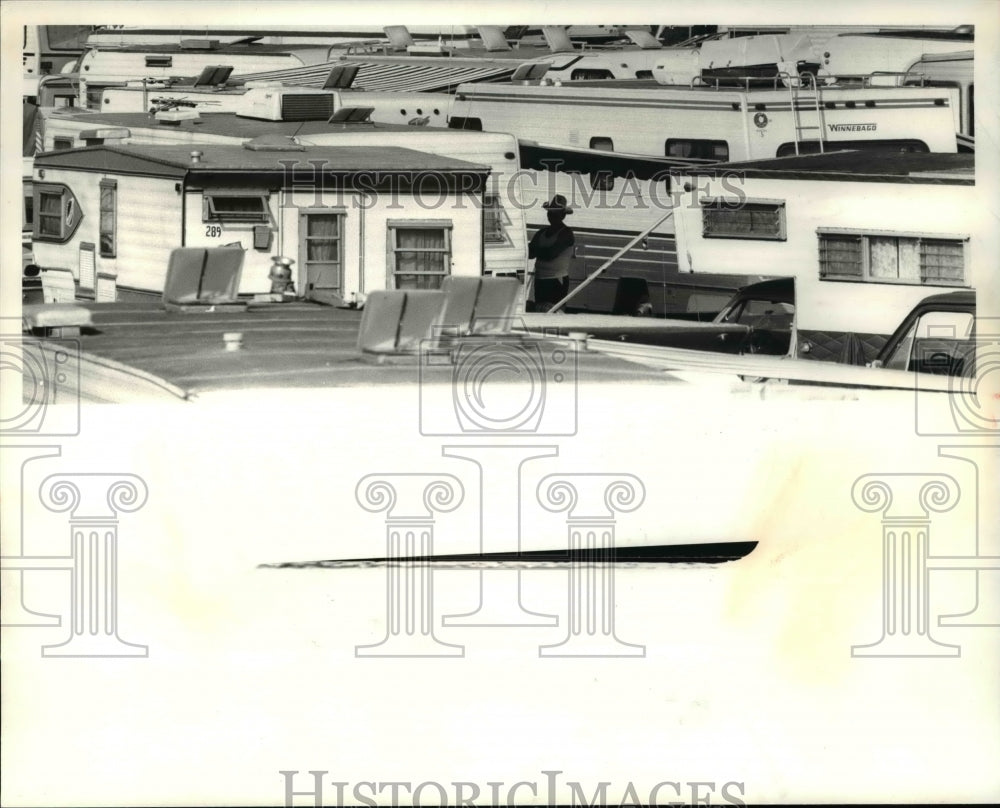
{"x": 558, "y": 203}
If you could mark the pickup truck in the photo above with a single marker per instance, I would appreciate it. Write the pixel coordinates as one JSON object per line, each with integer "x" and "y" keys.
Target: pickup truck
{"x": 937, "y": 337}
{"x": 758, "y": 319}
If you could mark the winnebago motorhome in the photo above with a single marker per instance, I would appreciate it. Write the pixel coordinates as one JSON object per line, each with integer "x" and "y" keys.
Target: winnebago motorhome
{"x": 864, "y": 235}
{"x": 352, "y": 219}
{"x": 713, "y": 122}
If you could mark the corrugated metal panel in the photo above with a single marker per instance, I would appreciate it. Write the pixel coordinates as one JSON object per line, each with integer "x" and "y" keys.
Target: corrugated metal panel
{"x": 413, "y": 76}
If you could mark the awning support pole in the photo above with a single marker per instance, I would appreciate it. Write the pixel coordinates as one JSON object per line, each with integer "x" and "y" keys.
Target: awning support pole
{"x": 600, "y": 270}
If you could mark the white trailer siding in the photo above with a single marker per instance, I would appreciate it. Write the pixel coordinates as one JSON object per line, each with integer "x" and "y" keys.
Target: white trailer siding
{"x": 753, "y": 124}
{"x": 811, "y": 207}
{"x": 158, "y": 214}
{"x": 107, "y": 64}
{"x": 148, "y": 227}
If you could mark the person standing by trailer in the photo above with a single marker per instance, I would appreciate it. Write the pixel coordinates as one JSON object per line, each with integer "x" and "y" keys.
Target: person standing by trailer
{"x": 552, "y": 249}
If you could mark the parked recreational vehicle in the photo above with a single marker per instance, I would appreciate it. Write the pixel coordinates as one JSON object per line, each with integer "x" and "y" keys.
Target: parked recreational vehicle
{"x": 268, "y": 35}
{"x": 950, "y": 70}
{"x": 50, "y": 48}
{"x": 351, "y": 219}
{"x": 713, "y": 122}
{"x": 864, "y": 235}
{"x": 887, "y": 51}
{"x": 505, "y": 247}
{"x": 107, "y": 64}
{"x": 610, "y": 209}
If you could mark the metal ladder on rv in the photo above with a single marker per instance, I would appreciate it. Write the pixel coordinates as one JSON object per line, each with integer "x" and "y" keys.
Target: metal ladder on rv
{"x": 796, "y": 84}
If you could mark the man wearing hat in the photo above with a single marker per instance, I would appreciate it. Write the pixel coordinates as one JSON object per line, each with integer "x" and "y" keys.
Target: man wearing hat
{"x": 552, "y": 249}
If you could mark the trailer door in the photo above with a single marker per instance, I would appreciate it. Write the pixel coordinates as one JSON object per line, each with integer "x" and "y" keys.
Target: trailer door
{"x": 321, "y": 255}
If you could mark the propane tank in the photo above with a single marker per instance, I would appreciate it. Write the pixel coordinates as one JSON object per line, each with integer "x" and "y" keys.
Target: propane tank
{"x": 281, "y": 275}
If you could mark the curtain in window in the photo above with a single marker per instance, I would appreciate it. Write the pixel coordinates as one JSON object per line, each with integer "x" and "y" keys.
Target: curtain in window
{"x": 107, "y": 227}
{"x": 883, "y": 257}
{"x": 323, "y": 238}
{"x": 50, "y": 214}
{"x": 894, "y": 258}
{"x": 421, "y": 258}
{"x": 492, "y": 219}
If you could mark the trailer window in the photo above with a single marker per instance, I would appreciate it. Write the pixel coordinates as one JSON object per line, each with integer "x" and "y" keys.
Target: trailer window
{"x": 752, "y": 220}
{"x": 591, "y": 74}
{"x": 972, "y": 110}
{"x": 885, "y": 258}
{"x": 420, "y": 254}
{"x": 812, "y": 146}
{"x": 67, "y": 37}
{"x": 28, "y": 211}
{"x": 708, "y": 150}
{"x": 235, "y": 208}
{"x": 109, "y": 218}
{"x": 938, "y": 342}
{"x": 62, "y": 143}
{"x": 493, "y": 220}
{"x": 57, "y": 214}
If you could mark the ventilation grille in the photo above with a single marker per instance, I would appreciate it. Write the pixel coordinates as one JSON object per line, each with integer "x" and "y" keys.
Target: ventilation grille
{"x": 306, "y": 107}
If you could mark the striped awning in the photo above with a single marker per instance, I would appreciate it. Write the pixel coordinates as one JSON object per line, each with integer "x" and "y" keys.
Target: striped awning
{"x": 413, "y": 75}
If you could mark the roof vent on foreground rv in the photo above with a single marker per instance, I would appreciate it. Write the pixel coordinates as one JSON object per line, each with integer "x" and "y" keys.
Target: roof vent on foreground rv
{"x": 273, "y": 143}
{"x": 530, "y": 73}
{"x": 174, "y": 117}
{"x": 213, "y": 76}
{"x": 199, "y": 44}
{"x": 352, "y": 115}
{"x": 196, "y": 156}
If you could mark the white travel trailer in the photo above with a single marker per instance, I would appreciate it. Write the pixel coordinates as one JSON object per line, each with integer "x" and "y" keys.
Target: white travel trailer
{"x": 951, "y": 70}
{"x": 351, "y": 219}
{"x": 107, "y": 63}
{"x": 886, "y": 51}
{"x": 504, "y": 247}
{"x": 865, "y": 236}
{"x": 48, "y": 49}
{"x": 713, "y": 122}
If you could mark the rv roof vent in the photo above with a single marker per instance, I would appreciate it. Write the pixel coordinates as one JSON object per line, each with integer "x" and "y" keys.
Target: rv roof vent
{"x": 196, "y": 156}
{"x": 398, "y": 36}
{"x": 273, "y": 143}
{"x": 557, "y": 39}
{"x": 352, "y": 115}
{"x": 174, "y": 117}
{"x": 213, "y": 75}
{"x": 427, "y": 49}
{"x": 530, "y": 72}
{"x": 199, "y": 44}
{"x": 644, "y": 39}
{"x": 341, "y": 77}
{"x": 493, "y": 38}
